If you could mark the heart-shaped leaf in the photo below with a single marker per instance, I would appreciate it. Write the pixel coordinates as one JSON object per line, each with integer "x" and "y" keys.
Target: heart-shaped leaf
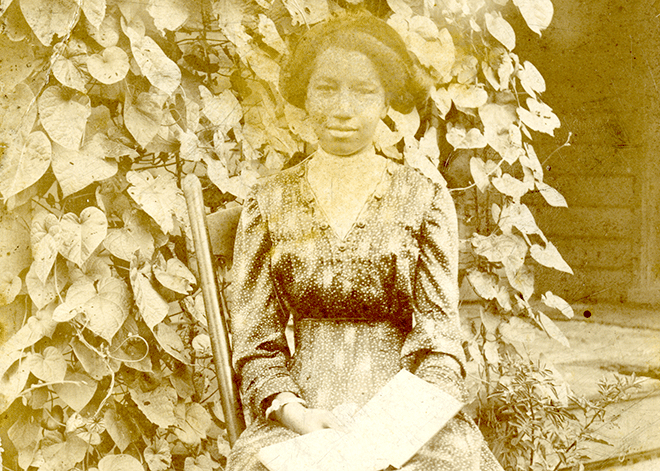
{"x": 24, "y": 162}
{"x": 76, "y": 390}
{"x": 120, "y": 463}
{"x": 78, "y": 294}
{"x": 68, "y": 64}
{"x": 539, "y": 117}
{"x": 109, "y": 68}
{"x": 271, "y": 36}
{"x": 555, "y": 302}
{"x": 125, "y": 242}
{"x": 193, "y": 422}
{"x": 17, "y": 61}
{"x": 522, "y": 280}
{"x": 537, "y": 13}
{"x": 550, "y": 257}
{"x": 49, "y": 366}
{"x": 76, "y": 169}
{"x": 94, "y": 365}
{"x": 44, "y": 245}
{"x": 142, "y": 116}
{"x": 501, "y": 30}
{"x": 465, "y": 96}
{"x": 158, "y": 455}
{"x": 48, "y": 18}
{"x": 159, "y": 197}
{"x": 552, "y": 196}
{"x": 17, "y": 113}
{"x": 168, "y": 14}
{"x": 531, "y": 79}
{"x": 552, "y": 330}
{"x": 80, "y": 236}
{"x": 12, "y": 383}
{"x": 171, "y": 342}
{"x": 222, "y": 110}
{"x": 107, "y": 33}
{"x": 174, "y": 275}
{"x": 63, "y": 114}
{"x": 511, "y": 186}
{"x": 151, "y": 305}
{"x": 159, "y": 69}
{"x": 43, "y": 293}
{"x": 157, "y": 404}
{"x": 10, "y": 286}
{"x": 461, "y": 138}
{"x": 94, "y": 11}
{"x": 122, "y": 429}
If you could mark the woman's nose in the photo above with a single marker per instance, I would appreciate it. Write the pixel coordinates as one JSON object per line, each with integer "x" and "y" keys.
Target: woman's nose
{"x": 345, "y": 105}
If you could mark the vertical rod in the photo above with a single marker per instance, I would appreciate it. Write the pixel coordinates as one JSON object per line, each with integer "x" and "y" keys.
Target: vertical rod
{"x": 214, "y": 313}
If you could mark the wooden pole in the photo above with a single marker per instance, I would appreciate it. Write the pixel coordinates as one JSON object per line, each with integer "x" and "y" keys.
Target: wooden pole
{"x": 216, "y": 318}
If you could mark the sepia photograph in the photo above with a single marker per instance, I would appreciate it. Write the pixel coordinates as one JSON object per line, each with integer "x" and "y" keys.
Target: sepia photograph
{"x": 329, "y": 235}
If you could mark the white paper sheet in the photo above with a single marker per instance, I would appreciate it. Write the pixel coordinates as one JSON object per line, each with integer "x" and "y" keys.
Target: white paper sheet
{"x": 388, "y": 430}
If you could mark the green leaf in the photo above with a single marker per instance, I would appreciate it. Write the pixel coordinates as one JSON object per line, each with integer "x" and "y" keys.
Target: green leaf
{"x": 80, "y": 236}
{"x": 159, "y": 197}
{"x": 76, "y": 390}
{"x": 222, "y": 110}
{"x": 307, "y": 12}
{"x": 49, "y": 18}
{"x": 159, "y": 69}
{"x": 552, "y": 196}
{"x": 461, "y": 138}
{"x": 63, "y": 114}
{"x": 192, "y": 422}
{"x": 158, "y": 455}
{"x": 484, "y": 284}
{"x": 10, "y": 286}
{"x": 44, "y": 243}
{"x": 24, "y": 162}
{"x": 501, "y": 30}
{"x": 219, "y": 174}
{"x": 109, "y": 68}
{"x": 17, "y": 61}
{"x": 501, "y": 130}
{"x": 479, "y": 174}
{"x": 91, "y": 361}
{"x": 18, "y": 113}
{"x": 157, "y": 404}
{"x": 171, "y": 342}
{"x": 518, "y": 216}
{"x": 270, "y": 35}
{"x": 539, "y": 117}
{"x": 143, "y": 116}
{"x": 511, "y": 186}
{"x": 153, "y": 308}
{"x": 552, "y": 330}
{"x": 467, "y": 96}
{"x": 522, "y": 280}
{"x": 555, "y": 302}
{"x": 168, "y": 14}
{"x": 537, "y": 13}
{"x": 174, "y": 275}
{"x": 107, "y": 33}
{"x": 508, "y": 249}
{"x": 122, "y": 431}
{"x": 49, "y": 367}
{"x": 25, "y": 434}
{"x": 438, "y": 54}
{"x": 550, "y": 257}
{"x": 42, "y": 293}
{"x": 442, "y": 99}
{"x": 133, "y": 237}
{"x": 63, "y": 456}
{"x": 12, "y": 383}
{"x": 78, "y": 294}
{"x": 77, "y": 169}
{"x": 68, "y": 64}
{"x": 531, "y": 79}
{"x": 94, "y": 11}
{"x": 107, "y": 311}
{"x": 120, "y": 463}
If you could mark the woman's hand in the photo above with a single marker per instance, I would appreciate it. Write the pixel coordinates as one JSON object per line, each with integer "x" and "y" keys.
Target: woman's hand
{"x": 302, "y": 420}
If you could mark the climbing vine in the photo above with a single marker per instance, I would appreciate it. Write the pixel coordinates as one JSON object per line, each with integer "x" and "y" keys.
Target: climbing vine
{"x": 106, "y": 104}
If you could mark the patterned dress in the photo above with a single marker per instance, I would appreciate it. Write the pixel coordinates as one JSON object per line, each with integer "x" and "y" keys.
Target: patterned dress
{"x": 383, "y": 298}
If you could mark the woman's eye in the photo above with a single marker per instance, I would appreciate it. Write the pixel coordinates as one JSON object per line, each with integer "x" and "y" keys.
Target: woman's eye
{"x": 324, "y": 87}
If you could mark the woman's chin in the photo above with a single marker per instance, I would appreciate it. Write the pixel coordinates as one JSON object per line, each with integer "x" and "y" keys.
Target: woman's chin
{"x": 343, "y": 149}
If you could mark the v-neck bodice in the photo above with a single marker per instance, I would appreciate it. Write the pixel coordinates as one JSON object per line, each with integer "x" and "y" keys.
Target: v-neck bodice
{"x": 343, "y": 220}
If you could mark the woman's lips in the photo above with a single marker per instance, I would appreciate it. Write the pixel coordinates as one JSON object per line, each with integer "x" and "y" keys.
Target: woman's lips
{"x": 341, "y": 131}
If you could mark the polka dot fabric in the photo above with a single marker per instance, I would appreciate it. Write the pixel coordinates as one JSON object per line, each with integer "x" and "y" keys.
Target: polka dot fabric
{"x": 384, "y": 297}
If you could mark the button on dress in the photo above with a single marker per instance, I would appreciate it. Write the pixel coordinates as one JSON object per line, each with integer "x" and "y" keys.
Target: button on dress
{"x": 382, "y": 298}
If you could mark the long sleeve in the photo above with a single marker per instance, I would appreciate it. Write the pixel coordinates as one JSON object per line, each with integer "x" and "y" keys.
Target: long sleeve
{"x": 433, "y": 349}
{"x": 260, "y": 350}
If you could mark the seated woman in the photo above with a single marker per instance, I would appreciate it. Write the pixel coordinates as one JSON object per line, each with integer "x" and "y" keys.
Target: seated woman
{"x": 354, "y": 247}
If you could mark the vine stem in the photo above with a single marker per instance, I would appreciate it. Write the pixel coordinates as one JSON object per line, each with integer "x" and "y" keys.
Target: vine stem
{"x": 473, "y": 185}
{"x": 565, "y": 144}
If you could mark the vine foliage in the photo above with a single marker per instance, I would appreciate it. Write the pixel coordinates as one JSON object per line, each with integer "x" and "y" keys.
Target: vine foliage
{"x": 106, "y": 104}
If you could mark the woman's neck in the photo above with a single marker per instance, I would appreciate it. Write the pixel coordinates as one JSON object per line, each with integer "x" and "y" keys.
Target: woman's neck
{"x": 326, "y": 158}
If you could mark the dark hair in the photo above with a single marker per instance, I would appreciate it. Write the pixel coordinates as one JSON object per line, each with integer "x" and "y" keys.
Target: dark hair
{"x": 361, "y": 32}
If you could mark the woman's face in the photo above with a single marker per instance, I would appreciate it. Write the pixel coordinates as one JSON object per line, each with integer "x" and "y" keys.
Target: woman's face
{"x": 346, "y": 100}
